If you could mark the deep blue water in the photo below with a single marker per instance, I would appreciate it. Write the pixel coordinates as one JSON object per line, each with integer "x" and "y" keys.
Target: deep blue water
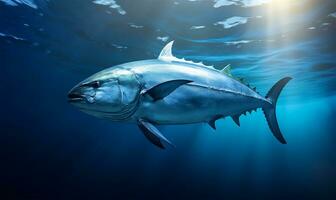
{"x": 50, "y": 150}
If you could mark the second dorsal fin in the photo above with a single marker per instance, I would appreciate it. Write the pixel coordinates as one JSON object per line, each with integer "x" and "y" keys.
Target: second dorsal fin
{"x": 226, "y": 70}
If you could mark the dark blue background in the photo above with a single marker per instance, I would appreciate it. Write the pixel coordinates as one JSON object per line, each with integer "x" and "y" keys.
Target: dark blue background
{"x": 50, "y": 150}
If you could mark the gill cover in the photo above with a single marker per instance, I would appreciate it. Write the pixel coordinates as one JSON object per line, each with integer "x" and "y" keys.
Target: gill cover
{"x": 129, "y": 86}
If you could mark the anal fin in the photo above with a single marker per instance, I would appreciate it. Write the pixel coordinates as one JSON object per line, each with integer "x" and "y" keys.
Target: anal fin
{"x": 236, "y": 119}
{"x": 212, "y": 122}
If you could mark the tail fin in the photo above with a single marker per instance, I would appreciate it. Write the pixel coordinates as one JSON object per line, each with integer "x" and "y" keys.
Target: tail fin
{"x": 269, "y": 111}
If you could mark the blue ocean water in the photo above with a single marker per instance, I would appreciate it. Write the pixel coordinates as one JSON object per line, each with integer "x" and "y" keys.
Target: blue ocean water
{"x": 50, "y": 150}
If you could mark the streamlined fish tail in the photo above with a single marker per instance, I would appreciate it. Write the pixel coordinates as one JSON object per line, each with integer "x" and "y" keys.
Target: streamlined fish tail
{"x": 270, "y": 112}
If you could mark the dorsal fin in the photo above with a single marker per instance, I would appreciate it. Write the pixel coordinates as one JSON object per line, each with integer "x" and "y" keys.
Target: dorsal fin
{"x": 167, "y": 56}
{"x": 226, "y": 70}
{"x": 166, "y": 53}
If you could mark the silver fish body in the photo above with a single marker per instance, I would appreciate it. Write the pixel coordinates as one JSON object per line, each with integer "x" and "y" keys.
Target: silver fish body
{"x": 169, "y": 90}
{"x": 209, "y": 94}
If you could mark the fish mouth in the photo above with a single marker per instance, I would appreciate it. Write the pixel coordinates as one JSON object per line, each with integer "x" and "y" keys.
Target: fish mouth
{"x": 73, "y": 97}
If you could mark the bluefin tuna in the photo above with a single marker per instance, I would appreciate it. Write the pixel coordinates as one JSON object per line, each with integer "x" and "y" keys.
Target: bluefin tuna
{"x": 169, "y": 90}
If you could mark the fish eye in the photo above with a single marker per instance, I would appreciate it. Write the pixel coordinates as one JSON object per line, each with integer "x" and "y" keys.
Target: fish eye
{"x": 94, "y": 84}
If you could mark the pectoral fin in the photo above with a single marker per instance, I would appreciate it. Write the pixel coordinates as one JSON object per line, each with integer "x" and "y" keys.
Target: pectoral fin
{"x": 153, "y": 134}
{"x": 162, "y": 90}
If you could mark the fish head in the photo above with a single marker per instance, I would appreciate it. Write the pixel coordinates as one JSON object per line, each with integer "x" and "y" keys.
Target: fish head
{"x": 111, "y": 93}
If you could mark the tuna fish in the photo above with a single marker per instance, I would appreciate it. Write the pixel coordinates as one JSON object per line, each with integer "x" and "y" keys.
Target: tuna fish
{"x": 169, "y": 90}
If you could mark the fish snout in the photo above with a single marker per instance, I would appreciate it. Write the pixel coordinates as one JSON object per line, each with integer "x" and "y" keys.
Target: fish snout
{"x": 81, "y": 94}
{"x": 74, "y": 95}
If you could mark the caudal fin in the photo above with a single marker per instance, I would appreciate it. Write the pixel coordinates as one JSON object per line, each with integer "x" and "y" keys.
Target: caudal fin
{"x": 269, "y": 110}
